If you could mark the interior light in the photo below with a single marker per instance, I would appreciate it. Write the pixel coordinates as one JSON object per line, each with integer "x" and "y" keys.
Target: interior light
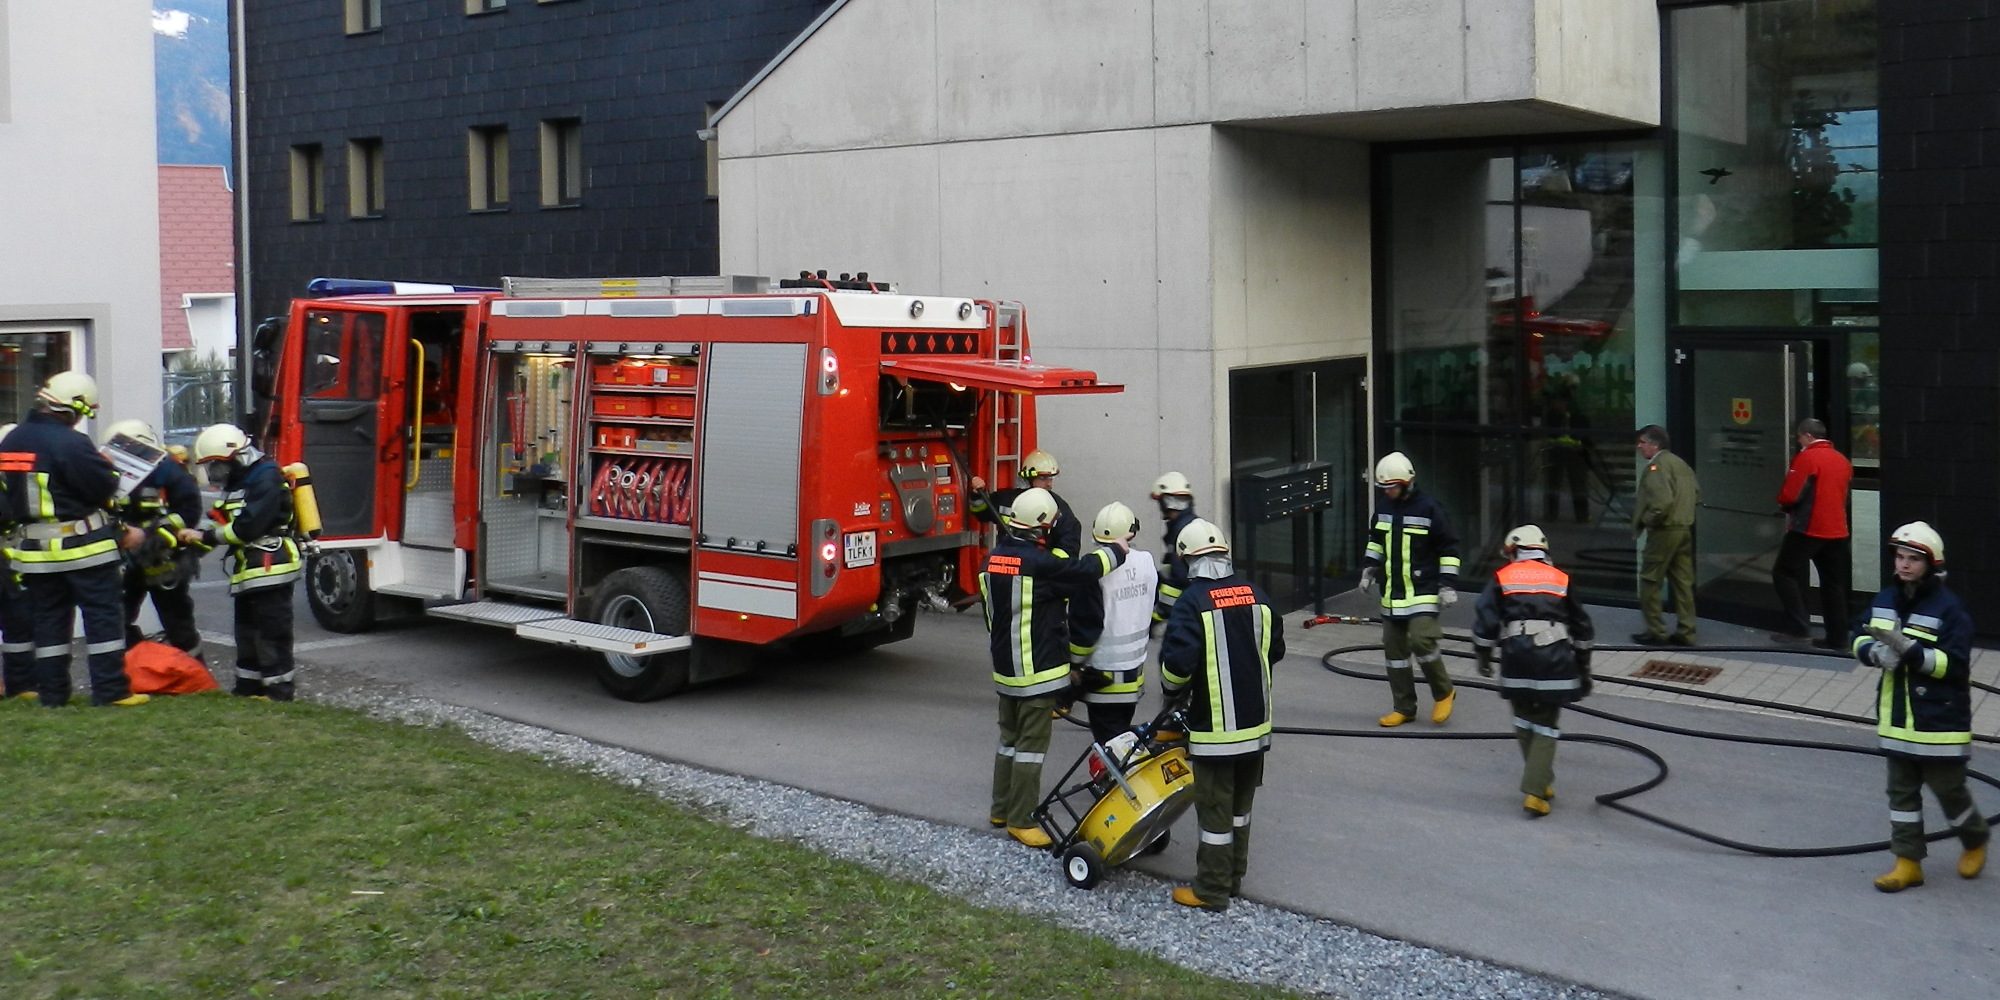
{"x": 955, "y": 387}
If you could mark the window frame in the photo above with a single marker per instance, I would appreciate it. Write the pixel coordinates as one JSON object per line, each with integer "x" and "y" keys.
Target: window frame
{"x": 488, "y": 162}
{"x": 308, "y": 194}
{"x": 562, "y": 162}
{"x": 363, "y": 17}
{"x": 367, "y": 195}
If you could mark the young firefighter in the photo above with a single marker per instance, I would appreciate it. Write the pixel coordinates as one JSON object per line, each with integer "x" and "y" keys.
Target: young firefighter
{"x": 1920, "y": 637}
{"x": 1544, "y": 637}
{"x": 1039, "y": 471}
{"x": 1024, "y": 585}
{"x": 1218, "y": 648}
{"x": 1118, "y": 608}
{"x": 1175, "y": 498}
{"x": 255, "y": 521}
{"x": 1413, "y": 555}
{"x": 162, "y": 566}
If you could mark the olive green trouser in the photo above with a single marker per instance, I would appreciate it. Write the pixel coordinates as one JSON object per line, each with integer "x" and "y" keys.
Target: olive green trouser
{"x": 1414, "y": 638}
{"x": 1537, "y": 728}
{"x": 1017, "y": 765}
{"x": 1946, "y": 776}
{"x": 1669, "y": 557}
{"x": 1224, "y": 788}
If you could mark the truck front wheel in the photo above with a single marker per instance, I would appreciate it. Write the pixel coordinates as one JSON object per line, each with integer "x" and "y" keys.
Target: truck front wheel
{"x": 648, "y": 599}
{"x": 337, "y": 590}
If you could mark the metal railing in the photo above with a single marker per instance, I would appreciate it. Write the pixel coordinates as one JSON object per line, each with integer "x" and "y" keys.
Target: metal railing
{"x": 195, "y": 399}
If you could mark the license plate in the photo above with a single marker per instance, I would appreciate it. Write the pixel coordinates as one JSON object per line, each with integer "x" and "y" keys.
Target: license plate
{"x": 860, "y": 547}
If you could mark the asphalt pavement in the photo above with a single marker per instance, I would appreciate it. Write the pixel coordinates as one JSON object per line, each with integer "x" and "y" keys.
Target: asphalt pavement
{"x": 1417, "y": 839}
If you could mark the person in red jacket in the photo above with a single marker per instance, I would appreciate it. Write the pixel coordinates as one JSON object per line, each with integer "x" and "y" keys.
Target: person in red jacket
{"x": 1814, "y": 499}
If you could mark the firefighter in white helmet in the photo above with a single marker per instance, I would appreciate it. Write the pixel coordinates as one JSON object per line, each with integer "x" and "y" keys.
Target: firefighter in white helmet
{"x": 254, "y": 519}
{"x": 1023, "y": 585}
{"x": 67, "y": 545}
{"x": 1038, "y": 471}
{"x": 1109, "y": 622}
{"x": 1920, "y": 636}
{"x": 162, "y": 566}
{"x": 1175, "y": 498}
{"x": 1543, "y": 637}
{"x": 17, "y": 617}
{"x": 1216, "y": 653}
{"x": 1413, "y": 556}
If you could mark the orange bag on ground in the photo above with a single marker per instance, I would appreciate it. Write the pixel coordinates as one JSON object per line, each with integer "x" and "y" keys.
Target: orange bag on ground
{"x": 157, "y": 668}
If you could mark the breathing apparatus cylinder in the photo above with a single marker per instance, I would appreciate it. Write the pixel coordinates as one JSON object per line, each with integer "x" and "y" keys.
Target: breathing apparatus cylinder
{"x": 305, "y": 506}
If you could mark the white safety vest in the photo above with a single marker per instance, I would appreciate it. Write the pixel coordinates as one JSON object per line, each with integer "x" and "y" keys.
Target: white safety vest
{"x": 1128, "y": 613}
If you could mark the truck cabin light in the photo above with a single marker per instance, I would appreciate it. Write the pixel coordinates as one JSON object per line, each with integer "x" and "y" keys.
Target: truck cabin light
{"x": 829, "y": 372}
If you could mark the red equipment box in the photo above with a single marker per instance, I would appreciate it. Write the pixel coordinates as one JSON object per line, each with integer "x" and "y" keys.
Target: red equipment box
{"x": 617, "y": 437}
{"x": 677, "y": 407}
{"x": 621, "y": 406}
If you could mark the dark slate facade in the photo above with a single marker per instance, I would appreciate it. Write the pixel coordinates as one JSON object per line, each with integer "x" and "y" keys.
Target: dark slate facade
{"x": 637, "y": 73}
{"x": 1940, "y": 141}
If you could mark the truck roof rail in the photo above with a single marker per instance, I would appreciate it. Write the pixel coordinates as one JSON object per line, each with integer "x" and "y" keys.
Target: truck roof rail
{"x": 599, "y": 288}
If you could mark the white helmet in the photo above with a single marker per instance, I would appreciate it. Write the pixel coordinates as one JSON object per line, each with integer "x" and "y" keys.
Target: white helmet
{"x": 1114, "y": 523}
{"x": 1039, "y": 463}
{"x": 1033, "y": 510}
{"x": 218, "y": 442}
{"x": 6, "y": 429}
{"x": 71, "y": 390}
{"x": 136, "y": 429}
{"x": 1394, "y": 468}
{"x": 1172, "y": 484}
{"x": 1920, "y": 538}
{"x": 1201, "y": 538}
{"x": 1527, "y": 536}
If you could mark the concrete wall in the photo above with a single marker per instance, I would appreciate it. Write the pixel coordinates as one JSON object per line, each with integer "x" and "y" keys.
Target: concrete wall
{"x": 80, "y": 206}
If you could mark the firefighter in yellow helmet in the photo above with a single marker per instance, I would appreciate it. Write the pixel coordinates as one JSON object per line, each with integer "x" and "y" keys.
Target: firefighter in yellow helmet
{"x": 17, "y": 618}
{"x": 1413, "y": 556}
{"x": 1175, "y": 498}
{"x": 1038, "y": 471}
{"x": 1919, "y": 635}
{"x": 162, "y": 566}
{"x": 254, "y": 519}
{"x": 67, "y": 545}
{"x": 1544, "y": 637}
{"x": 1109, "y": 619}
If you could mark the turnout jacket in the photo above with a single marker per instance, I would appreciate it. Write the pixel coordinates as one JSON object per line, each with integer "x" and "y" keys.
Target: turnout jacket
{"x": 1414, "y": 551}
{"x": 1025, "y": 586}
{"x": 1173, "y": 569}
{"x": 1540, "y": 630}
{"x": 254, "y": 518}
{"x": 1219, "y": 645}
{"x": 164, "y": 502}
{"x": 1123, "y": 601}
{"x": 1814, "y": 497}
{"x": 57, "y": 485}
{"x": 1923, "y": 705}
{"x": 1065, "y": 536}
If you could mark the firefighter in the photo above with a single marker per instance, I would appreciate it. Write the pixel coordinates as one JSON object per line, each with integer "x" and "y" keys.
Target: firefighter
{"x": 1176, "y": 502}
{"x": 1413, "y": 556}
{"x": 1544, "y": 639}
{"x": 1113, "y": 676}
{"x": 1919, "y": 635}
{"x": 1217, "y": 653}
{"x": 67, "y": 546}
{"x": 17, "y": 616}
{"x": 161, "y": 505}
{"x": 254, "y": 519}
{"x": 1023, "y": 585}
{"x": 1039, "y": 471}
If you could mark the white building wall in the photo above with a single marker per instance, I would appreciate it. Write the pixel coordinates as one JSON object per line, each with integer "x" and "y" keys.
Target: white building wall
{"x": 79, "y": 206}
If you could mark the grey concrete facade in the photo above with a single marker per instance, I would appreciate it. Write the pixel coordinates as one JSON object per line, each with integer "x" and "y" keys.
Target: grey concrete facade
{"x": 80, "y": 208}
{"x": 1175, "y": 189}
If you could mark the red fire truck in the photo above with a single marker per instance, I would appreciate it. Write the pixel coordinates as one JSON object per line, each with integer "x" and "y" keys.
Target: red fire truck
{"x": 670, "y": 471}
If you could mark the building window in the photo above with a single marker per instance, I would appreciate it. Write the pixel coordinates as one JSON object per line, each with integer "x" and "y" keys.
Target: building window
{"x": 308, "y": 183}
{"x": 364, "y": 16}
{"x": 365, "y": 198}
{"x": 711, "y": 150}
{"x": 484, "y": 6}
{"x": 562, "y": 161}
{"x": 29, "y": 354}
{"x": 486, "y": 166}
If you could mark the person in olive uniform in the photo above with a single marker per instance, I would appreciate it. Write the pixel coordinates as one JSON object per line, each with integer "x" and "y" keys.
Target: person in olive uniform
{"x": 1544, "y": 637}
{"x": 1664, "y": 511}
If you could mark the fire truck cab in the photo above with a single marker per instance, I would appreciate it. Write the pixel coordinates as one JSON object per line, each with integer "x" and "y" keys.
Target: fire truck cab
{"x": 670, "y": 471}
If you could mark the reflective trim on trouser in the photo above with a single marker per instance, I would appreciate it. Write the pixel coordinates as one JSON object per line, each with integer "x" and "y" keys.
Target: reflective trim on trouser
{"x": 1017, "y": 765}
{"x": 1224, "y": 789}
{"x": 264, "y": 641}
{"x": 1415, "y": 640}
{"x": 1537, "y": 730}
{"x": 97, "y": 592}
{"x": 1668, "y": 557}
{"x": 1946, "y": 778}
{"x": 17, "y": 626}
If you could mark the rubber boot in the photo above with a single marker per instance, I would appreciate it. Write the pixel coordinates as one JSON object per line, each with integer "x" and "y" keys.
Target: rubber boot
{"x": 997, "y": 820}
{"x": 1185, "y": 896}
{"x": 1536, "y": 806}
{"x": 133, "y": 699}
{"x": 1972, "y": 862}
{"x": 1393, "y": 719}
{"x": 1905, "y": 875}
{"x": 1442, "y": 710}
{"x": 1029, "y": 835}
{"x": 29, "y": 696}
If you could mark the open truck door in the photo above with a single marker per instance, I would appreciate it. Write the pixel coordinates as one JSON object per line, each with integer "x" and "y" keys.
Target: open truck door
{"x": 348, "y": 432}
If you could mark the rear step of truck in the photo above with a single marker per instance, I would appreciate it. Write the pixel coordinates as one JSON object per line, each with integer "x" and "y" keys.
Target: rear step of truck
{"x": 549, "y": 625}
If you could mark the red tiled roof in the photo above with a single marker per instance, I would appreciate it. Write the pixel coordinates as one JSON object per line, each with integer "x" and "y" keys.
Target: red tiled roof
{"x": 197, "y": 244}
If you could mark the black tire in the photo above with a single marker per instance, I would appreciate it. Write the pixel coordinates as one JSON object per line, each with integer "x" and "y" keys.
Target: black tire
{"x": 337, "y": 590}
{"x": 1159, "y": 843}
{"x": 1083, "y": 866}
{"x": 649, "y": 599}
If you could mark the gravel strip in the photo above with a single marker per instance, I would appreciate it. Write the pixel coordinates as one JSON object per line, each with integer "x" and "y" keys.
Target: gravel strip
{"x": 1249, "y": 943}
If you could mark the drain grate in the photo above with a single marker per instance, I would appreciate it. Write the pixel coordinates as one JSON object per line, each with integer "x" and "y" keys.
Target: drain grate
{"x": 1679, "y": 673}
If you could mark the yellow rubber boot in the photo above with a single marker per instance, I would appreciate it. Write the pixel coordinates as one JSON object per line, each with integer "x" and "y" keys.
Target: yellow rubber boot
{"x": 133, "y": 699}
{"x": 29, "y": 696}
{"x": 1972, "y": 862}
{"x": 1905, "y": 875}
{"x": 1536, "y": 806}
{"x": 996, "y": 821}
{"x": 1393, "y": 719}
{"x": 1442, "y": 710}
{"x": 1185, "y": 896}
{"x": 1029, "y": 835}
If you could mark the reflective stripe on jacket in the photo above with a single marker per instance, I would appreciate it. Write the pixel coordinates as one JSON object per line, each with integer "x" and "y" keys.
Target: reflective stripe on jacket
{"x": 1221, "y": 641}
{"x": 1023, "y": 586}
{"x": 254, "y": 519}
{"x": 1412, "y": 545}
{"x": 1173, "y": 566}
{"x": 1923, "y": 704}
{"x": 55, "y": 478}
{"x": 1125, "y": 601}
{"x": 1540, "y": 630}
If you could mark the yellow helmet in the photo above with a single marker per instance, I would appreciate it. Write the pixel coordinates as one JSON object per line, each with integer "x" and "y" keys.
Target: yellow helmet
{"x": 1039, "y": 463}
{"x": 1395, "y": 468}
{"x": 217, "y": 442}
{"x": 1921, "y": 538}
{"x": 1172, "y": 484}
{"x": 136, "y": 429}
{"x": 1201, "y": 538}
{"x": 1114, "y": 523}
{"x": 70, "y": 390}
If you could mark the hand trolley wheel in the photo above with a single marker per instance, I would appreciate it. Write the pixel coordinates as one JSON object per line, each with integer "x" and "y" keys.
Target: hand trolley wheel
{"x": 1083, "y": 866}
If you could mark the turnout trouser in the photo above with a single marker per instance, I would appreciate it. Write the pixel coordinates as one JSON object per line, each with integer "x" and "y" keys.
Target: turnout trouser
{"x": 1408, "y": 643}
{"x": 1017, "y": 765}
{"x": 175, "y": 606}
{"x": 1108, "y": 719}
{"x": 57, "y": 598}
{"x": 264, "y": 642}
{"x": 1224, "y": 789}
{"x": 1789, "y": 578}
{"x": 17, "y": 635}
{"x": 1537, "y": 728}
{"x": 1668, "y": 557}
{"x": 1946, "y": 776}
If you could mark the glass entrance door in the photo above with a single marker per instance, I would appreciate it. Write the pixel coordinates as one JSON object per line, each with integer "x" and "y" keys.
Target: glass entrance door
{"x": 1280, "y": 417}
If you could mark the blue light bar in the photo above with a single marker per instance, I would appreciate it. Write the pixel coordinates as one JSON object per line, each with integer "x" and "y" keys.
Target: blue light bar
{"x": 320, "y": 288}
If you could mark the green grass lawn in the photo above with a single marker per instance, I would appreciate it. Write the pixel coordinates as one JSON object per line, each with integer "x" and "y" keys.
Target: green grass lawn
{"x": 210, "y": 847}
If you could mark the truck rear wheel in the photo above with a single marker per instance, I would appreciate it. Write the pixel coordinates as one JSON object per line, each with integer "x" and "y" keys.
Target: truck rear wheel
{"x": 337, "y": 590}
{"x": 648, "y": 599}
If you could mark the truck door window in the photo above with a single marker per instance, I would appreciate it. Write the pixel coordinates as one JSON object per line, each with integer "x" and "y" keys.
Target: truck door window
{"x": 343, "y": 355}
